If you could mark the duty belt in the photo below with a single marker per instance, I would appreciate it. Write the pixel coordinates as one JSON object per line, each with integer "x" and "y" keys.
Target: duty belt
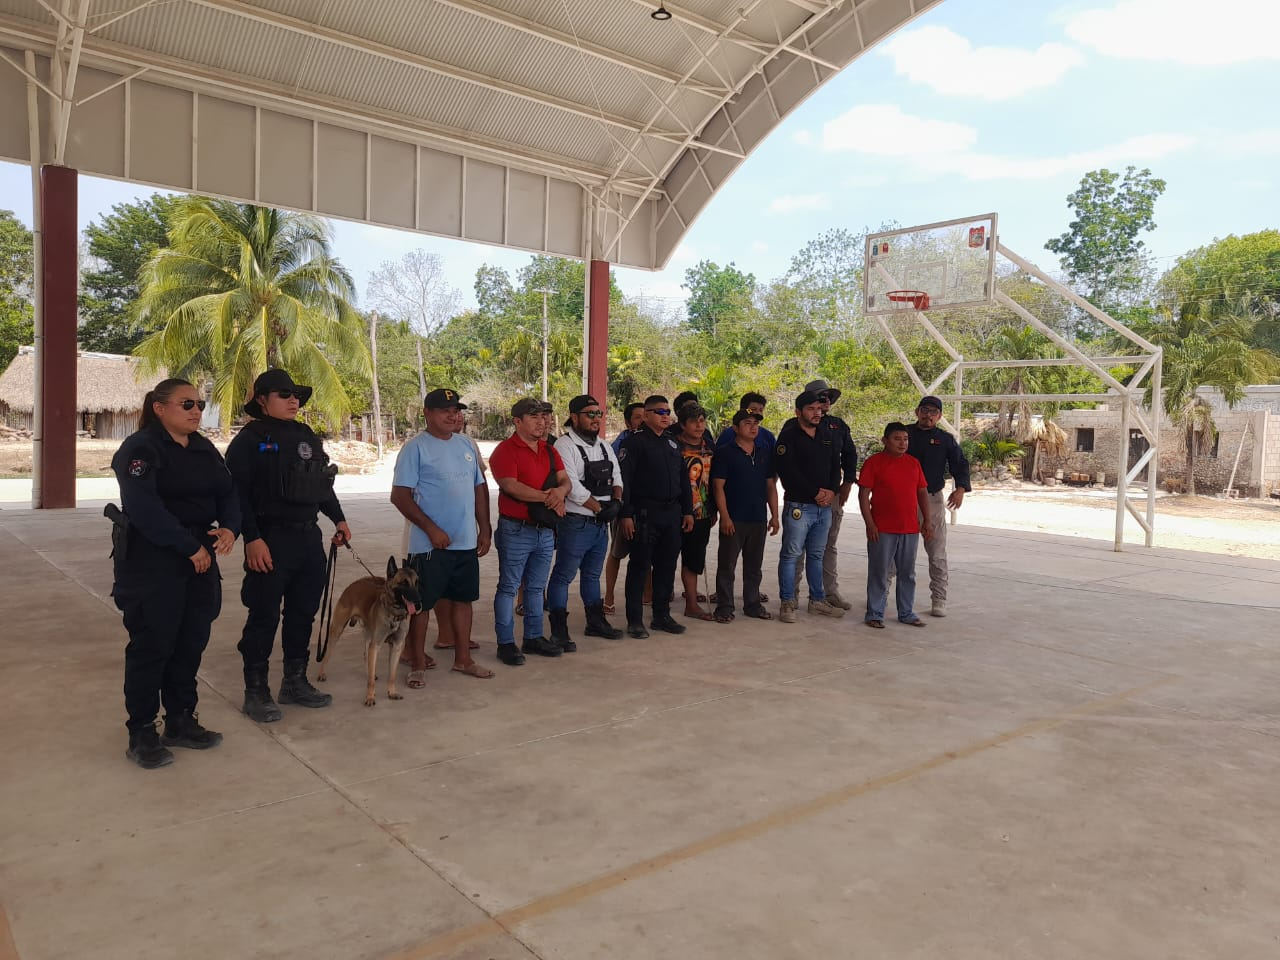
{"x": 273, "y": 524}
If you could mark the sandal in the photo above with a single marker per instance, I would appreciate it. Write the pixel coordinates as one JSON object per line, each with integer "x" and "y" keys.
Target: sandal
{"x": 699, "y": 615}
{"x": 760, "y": 613}
{"x": 609, "y": 607}
{"x": 417, "y": 679}
{"x": 473, "y": 670}
{"x": 449, "y": 646}
{"x": 723, "y": 616}
{"x": 877, "y": 624}
{"x": 917, "y": 622}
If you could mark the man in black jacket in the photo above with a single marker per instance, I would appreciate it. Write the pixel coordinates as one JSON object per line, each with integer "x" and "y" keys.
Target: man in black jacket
{"x": 283, "y": 477}
{"x": 837, "y": 432}
{"x": 938, "y": 452}
{"x": 807, "y": 461}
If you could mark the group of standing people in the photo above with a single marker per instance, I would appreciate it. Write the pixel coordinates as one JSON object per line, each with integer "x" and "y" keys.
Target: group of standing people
{"x": 572, "y": 507}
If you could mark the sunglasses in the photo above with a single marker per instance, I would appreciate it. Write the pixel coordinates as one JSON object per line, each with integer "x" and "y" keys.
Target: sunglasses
{"x": 824, "y": 398}
{"x": 285, "y": 394}
{"x": 189, "y": 404}
{"x": 593, "y": 414}
{"x": 660, "y": 411}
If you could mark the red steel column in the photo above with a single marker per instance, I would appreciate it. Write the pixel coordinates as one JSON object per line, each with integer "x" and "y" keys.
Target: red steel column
{"x": 56, "y": 350}
{"x": 598, "y": 339}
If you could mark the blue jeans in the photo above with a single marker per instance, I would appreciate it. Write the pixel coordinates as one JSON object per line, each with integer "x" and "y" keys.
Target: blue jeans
{"x": 581, "y": 545}
{"x": 524, "y": 553}
{"x": 883, "y": 555}
{"x": 805, "y": 536}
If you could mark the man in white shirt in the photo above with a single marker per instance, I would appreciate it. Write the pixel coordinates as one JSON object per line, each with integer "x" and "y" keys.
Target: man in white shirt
{"x": 582, "y": 537}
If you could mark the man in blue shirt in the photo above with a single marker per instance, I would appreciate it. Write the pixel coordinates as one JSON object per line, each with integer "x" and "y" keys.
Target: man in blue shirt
{"x": 742, "y": 486}
{"x": 438, "y": 470}
{"x": 753, "y": 403}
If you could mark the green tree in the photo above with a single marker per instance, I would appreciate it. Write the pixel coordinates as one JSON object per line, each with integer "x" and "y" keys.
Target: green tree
{"x": 827, "y": 275}
{"x": 1233, "y": 275}
{"x": 120, "y": 245}
{"x": 16, "y": 284}
{"x": 718, "y": 296}
{"x": 1102, "y": 251}
{"x": 243, "y": 288}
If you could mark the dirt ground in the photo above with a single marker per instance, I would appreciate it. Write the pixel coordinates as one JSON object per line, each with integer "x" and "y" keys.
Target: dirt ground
{"x": 93, "y": 457}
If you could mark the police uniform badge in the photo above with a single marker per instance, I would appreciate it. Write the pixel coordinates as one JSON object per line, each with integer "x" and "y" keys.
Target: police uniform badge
{"x": 673, "y": 444}
{"x": 782, "y": 448}
{"x": 468, "y": 457}
{"x": 137, "y": 468}
{"x": 304, "y": 450}
{"x": 796, "y": 513}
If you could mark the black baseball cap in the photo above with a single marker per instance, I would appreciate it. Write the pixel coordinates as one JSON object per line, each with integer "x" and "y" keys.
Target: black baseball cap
{"x": 270, "y": 382}
{"x": 746, "y": 415}
{"x": 581, "y": 402}
{"x": 443, "y": 398}
{"x": 806, "y": 398}
{"x": 930, "y": 401}
{"x": 526, "y": 407}
{"x": 545, "y": 406}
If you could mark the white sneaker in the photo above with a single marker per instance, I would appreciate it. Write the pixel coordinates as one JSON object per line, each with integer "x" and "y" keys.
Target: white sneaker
{"x": 836, "y": 600}
{"x": 787, "y": 611}
{"x": 939, "y": 608}
{"x": 824, "y": 608}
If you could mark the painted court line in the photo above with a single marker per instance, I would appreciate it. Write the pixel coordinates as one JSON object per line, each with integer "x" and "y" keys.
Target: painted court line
{"x": 8, "y": 949}
{"x": 505, "y": 922}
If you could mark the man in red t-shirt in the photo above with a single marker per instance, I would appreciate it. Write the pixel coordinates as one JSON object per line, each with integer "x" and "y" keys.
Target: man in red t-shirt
{"x": 528, "y": 471}
{"x": 891, "y": 489}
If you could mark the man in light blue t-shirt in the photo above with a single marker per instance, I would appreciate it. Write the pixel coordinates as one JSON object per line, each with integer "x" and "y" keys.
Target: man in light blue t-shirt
{"x": 439, "y": 471}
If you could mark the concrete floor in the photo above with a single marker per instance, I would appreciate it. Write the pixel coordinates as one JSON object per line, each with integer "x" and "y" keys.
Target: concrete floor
{"x": 1079, "y": 762}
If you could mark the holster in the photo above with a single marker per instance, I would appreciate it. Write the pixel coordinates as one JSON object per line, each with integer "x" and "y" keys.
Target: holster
{"x": 119, "y": 531}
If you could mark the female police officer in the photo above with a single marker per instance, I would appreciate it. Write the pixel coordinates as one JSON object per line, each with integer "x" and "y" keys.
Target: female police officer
{"x": 174, "y": 486}
{"x": 283, "y": 477}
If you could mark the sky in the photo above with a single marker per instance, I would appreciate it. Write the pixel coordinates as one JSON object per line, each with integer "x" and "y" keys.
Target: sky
{"x": 977, "y": 106}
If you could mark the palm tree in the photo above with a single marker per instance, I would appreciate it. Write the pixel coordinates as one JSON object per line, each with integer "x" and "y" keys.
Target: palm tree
{"x": 1022, "y": 343}
{"x": 243, "y": 288}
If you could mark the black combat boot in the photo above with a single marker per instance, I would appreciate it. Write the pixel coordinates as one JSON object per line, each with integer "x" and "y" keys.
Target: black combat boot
{"x": 598, "y": 625}
{"x": 667, "y": 623}
{"x": 560, "y": 631}
{"x": 184, "y": 730}
{"x": 296, "y": 688}
{"x": 146, "y": 750}
{"x": 258, "y": 704}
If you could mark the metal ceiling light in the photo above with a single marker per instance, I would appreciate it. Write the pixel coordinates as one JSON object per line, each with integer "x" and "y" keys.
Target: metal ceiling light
{"x": 662, "y": 13}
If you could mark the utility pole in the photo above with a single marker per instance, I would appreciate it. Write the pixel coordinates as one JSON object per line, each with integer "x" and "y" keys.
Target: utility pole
{"x": 546, "y": 337}
{"x": 377, "y": 397}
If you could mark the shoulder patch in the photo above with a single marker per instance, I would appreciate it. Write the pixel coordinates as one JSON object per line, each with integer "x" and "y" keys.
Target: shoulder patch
{"x": 304, "y": 450}
{"x": 138, "y": 468}
{"x": 673, "y": 444}
{"x": 780, "y": 449}
{"x": 622, "y": 453}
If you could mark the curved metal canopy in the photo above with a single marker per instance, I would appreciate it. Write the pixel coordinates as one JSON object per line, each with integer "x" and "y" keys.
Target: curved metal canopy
{"x": 582, "y": 128}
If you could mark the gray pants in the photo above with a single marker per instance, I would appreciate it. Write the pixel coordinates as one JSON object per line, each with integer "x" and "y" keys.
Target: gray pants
{"x": 936, "y": 547}
{"x": 830, "y": 575}
{"x": 748, "y": 540}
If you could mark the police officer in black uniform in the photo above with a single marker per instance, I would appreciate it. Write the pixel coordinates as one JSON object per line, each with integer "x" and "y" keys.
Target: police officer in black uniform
{"x": 657, "y": 506}
{"x": 283, "y": 477}
{"x": 174, "y": 487}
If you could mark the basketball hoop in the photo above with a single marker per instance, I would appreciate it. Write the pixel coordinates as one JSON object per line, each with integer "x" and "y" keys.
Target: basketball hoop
{"x": 918, "y": 299}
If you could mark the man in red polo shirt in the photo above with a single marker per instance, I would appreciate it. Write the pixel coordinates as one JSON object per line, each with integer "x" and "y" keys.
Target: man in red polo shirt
{"x": 529, "y": 472}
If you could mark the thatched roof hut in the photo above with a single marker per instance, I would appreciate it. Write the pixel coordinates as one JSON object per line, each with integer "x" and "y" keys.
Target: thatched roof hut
{"x": 109, "y": 394}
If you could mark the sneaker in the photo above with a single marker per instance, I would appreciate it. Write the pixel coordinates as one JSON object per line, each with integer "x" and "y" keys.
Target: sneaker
{"x": 834, "y": 598}
{"x": 787, "y": 611}
{"x": 939, "y": 608}
{"x": 824, "y": 608}
{"x": 541, "y": 646}
{"x": 510, "y": 654}
{"x": 146, "y": 750}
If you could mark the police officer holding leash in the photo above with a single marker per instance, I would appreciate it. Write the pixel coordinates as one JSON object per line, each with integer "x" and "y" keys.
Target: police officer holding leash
{"x": 174, "y": 487}
{"x": 283, "y": 476}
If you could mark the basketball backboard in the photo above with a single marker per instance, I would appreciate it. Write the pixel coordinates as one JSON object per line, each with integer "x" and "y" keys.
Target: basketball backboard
{"x": 952, "y": 261}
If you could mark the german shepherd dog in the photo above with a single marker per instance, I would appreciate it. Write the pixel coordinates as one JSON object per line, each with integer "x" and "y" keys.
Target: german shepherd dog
{"x": 383, "y": 606}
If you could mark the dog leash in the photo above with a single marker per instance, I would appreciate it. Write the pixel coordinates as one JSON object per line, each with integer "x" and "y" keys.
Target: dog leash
{"x": 326, "y": 600}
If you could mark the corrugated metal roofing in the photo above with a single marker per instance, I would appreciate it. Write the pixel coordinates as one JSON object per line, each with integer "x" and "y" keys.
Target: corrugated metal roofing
{"x": 594, "y": 84}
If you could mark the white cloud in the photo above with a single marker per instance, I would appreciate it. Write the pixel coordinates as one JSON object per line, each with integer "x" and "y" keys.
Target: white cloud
{"x": 1182, "y": 31}
{"x": 931, "y": 148}
{"x": 793, "y": 202}
{"x": 884, "y": 130}
{"x": 803, "y": 137}
{"x": 942, "y": 59}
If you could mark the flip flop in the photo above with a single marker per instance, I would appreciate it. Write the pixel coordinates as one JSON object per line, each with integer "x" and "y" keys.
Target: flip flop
{"x": 449, "y": 646}
{"x": 699, "y": 615}
{"x": 723, "y": 617}
{"x": 608, "y": 607}
{"x": 417, "y": 679}
{"x": 761, "y": 614}
{"x": 877, "y": 624}
{"x": 473, "y": 670}
{"x": 917, "y": 622}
